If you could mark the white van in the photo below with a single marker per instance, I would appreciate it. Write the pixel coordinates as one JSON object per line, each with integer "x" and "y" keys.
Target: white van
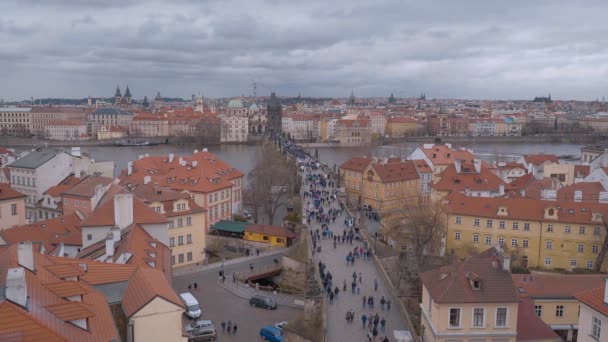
{"x": 193, "y": 309}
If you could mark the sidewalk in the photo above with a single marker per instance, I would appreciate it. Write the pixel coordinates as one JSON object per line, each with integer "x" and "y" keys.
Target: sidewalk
{"x": 239, "y": 289}
{"x": 230, "y": 262}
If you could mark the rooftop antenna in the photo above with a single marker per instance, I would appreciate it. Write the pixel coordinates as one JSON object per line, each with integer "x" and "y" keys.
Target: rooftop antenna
{"x": 255, "y": 88}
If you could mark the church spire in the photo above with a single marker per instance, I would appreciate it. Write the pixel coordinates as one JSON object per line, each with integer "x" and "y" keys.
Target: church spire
{"x": 117, "y": 91}
{"x": 127, "y": 92}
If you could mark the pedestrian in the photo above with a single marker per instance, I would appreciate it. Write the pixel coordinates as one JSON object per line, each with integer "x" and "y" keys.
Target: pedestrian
{"x": 234, "y": 327}
{"x": 388, "y": 304}
{"x": 195, "y": 286}
{"x": 251, "y": 267}
{"x": 358, "y": 289}
{"x": 375, "y": 284}
{"x": 189, "y": 286}
{"x": 223, "y": 324}
{"x": 382, "y": 302}
{"x": 363, "y": 319}
{"x": 331, "y": 297}
{"x": 336, "y": 291}
{"x": 360, "y": 278}
{"x": 229, "y": 326}
{"x": 364, "y": 300}
{"x": 383, "y": 324}
{"x": 375, "y": 332}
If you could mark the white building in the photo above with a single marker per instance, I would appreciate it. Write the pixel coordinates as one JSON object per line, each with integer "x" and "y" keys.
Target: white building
{"x": 15, "y": 121}
{"x": 66, "y": 130}
{"x": 235, "y": 123}
{"x": 301, "y": 126}
{"x": 378, "y": 122}
{"x": 593, "y": 317}
{"x": 108, "y": 116}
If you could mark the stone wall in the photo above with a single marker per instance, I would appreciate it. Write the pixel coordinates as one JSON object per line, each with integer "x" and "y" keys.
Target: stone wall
{"x": 219, "y": 243}
{"x": 294, "y": 273}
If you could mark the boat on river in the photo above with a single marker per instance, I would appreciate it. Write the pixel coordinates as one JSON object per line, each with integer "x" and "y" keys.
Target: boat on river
{"x": 136, "y": 143}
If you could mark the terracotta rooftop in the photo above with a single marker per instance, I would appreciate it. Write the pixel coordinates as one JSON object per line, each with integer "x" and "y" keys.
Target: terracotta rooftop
{"x": 539, "y": 159}
{"x": 401, "y": 119}
{"x": 582, "y": 171}
{"x": 451, "y": 180}
{"x": 422, "y": 166}
{"x": 590, "y": 191}
{"x": 103, "y": 215}
{"x": 396, "y": 171}
{"x": 86, "y": 186}
{"x": 69, "y": 311}
{"x": 66, "y": 184}
{"x": 530, "y": 327}
{"x": 555, "y": 286}
{"x": 594, "y": 298}
{"x": 7, "y": 193}
{"x": 356, "y": 164}
{"x": 444, "y": 155}
{"x": 203, "y": 172}
{"x": 454, "y": 283}
{"x": 62, "y": 229}
{"x": 271, "y": 230}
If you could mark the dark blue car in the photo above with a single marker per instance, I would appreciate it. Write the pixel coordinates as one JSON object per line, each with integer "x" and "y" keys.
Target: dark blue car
{"x": 271, "y": 333}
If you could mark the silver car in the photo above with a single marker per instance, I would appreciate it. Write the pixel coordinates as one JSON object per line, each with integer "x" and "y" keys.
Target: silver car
{"x": 201, "y": 324}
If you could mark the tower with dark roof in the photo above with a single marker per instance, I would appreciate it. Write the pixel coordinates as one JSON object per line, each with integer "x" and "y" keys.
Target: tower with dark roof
{"x": 127, "y": 96}
{"x": 117, "y": 95}
{"x": 274, "y": 110}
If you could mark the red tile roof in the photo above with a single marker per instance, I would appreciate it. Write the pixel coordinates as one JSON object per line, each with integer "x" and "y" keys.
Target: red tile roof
{"x": 556, "y": 286}
{"x": 356, "y": 164}
{"x": 270, "y": 230}
{"x": 539, "y": 159}
{"x": 582, "y": 171}
{"x": 401, "y": 119}
{"x": 530, "y": 327}
{"x": 66, "y": 184}
{"x": 62, "y": 229}
{"x": 590, "y": 191}
{"x": 7, "y": 193}
{"x": 453, "y": 283}
{"x": 86, "y": 186}
{"x": 451, "y": 180}
{"x": 103, "y": 215}
{"x": 396, "y": 171}
{"x": 594, "y": 299}
{"x": 443, "y": 155}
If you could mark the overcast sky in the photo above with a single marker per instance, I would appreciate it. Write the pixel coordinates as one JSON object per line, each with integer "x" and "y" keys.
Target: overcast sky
{"x": 456, "y": 49}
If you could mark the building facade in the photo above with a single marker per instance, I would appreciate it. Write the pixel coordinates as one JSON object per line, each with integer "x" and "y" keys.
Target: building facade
{"x": 12, "y": 207}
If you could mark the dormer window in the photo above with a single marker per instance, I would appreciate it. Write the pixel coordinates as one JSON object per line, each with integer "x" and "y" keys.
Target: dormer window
{"x": 476, "y": 285}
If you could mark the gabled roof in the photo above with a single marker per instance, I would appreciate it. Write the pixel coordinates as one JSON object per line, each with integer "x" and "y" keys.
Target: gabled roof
{"x": 530, "y": 327}
{"x": 594, "y": 299}
{"x": 67, "y": 183}
{"x": 62, "y": 229}
{"x": 396, "y": 171}
{"x": 539, "y": 159}
{"x": 271, "y": 230}
{"x": 451, "y": 180}
{"x": 555, "y": 286}
{"x": 590, "y": 191}
{"x": 103, "y": 215}
{"x": 86, "y": 187}
{"x": 444, "y": 155}
{"x": 356, "y": 164}
{"x": 452, "y": 283}
{"x": 33, "y": 160}
{"x": 7, "y": 193}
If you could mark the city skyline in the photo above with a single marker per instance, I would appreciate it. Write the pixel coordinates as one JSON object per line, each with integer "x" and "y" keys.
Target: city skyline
{"x": 514, "y": 50}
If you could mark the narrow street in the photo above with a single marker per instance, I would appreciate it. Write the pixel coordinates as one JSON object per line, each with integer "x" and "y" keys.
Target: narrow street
{"x": 338, "y": 329}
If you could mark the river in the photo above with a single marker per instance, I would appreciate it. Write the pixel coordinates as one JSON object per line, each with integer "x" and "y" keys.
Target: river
{"x": 243, "y": 156}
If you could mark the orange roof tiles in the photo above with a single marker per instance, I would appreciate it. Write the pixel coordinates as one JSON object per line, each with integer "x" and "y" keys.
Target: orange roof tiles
{"x": 595, "y": 299}
{"x": 86, "y": 187}
{"x": 401, "y": 119}
{"x": 356, "y": 164}
{"x": 103, "y": 215}
{"x": 69, "y": 311}
{"x": 145, "y": 285}
{"x": 270, "y": 230}
{"x": 539, "y": 159}
{"x": 396, "y": 171}
{"x": 16, "y": 322}
{"x": 98, "y": 272}
{"x": 62, "y": 229}
{"x": 65, "y": 271}
{"x": 7, "y": 193}
{"x": 443, "y": 155}
{"x": 530, "y": 327}
{"x": 64, "y": 185}
{"x": 65, "y": 289}
{"x": 556, "y": 286}
{"x": 210, "y": 173}
{"x": 590, "y": 191}
{"x": 451, "y": 180}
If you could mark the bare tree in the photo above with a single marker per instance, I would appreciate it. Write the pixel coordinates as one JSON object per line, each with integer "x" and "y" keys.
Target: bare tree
{"x": 604, "y": 248}
{"x": 271, "y": 182}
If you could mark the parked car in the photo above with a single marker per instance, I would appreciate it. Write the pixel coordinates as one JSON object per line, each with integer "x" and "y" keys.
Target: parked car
{"x": 193, "y": 309}
{"x": 271, "y": 333}
{"x": 203, "y": 334}
{"x": 263, "y": 302}
{"x": 203, "y": 323}
{"x": 280, "y": 325}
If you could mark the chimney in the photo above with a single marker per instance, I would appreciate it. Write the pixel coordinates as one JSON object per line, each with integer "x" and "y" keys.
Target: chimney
{"x": 16, "y": 289}
{"x": 523, "y": 193}
{"x": 458, "y": 165}
{"x": 194, "y": 163}
{"x": 180, "y": 161}
{"x": 467, "y": 191}
{"x": 129, "y": 168}
{"x": 205, "y": 150}
{"x": 25, "y": 255}
{"x": 123, "y": 210}
{"x": 171, "y": 157}
{"x": 578, "y": 196}
{"x": 141, "y": 156}
{"x": 195, "y": 151}
{"x": 76, "y": 151}
{"x": 110, "y": 245}
{"x": 606, "y": 291}
{"x": 477, "y": 164}
{"x": 147, "y": 179}
{"x": 146, "y": 155}
{"x": 501, "y": 189}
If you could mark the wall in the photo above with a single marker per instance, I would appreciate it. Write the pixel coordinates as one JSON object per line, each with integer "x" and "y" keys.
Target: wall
{"x": 216, "y": 242}
{"x": 584, "y": 327}
{"x": 97, "y": 234}
{"x": 197, "y": 231}
{"x": 293, "y": 273}
{"x": 7, "y": 219}
{"x": 466, "y": 317}
{"x": 548, "y": 316}
{"x": 264, "y": 238}
{"x": 159, "y": 320}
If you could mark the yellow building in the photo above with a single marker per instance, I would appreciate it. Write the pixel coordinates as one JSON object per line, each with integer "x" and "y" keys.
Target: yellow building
{"x": 470, "y": 300}
{"x": 401, "y": 126}
{"x": 542, "y": 234}
{"x": 274, "y": 235}
{"x": 553, "y": 297}
{"x": 383, "y": 185}
{"x": 187, "y": 221}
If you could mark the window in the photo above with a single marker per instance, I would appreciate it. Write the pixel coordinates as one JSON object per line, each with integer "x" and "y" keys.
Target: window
{"x": 173, "y": 260}
{"x": 501, "y": 241}
{"x": 188, "y": 221}
{"x": 596, "y": 231}
{"x": 501, "y": 224}
{"x": 489, "y": 224}
{"x": 559, "y": 311}
{"x": 568, "y": 229}
{"x": 580, "y": 248}
{"x": 189, "y": 238}
{"x": 501, "y": 317}
{"x": 524, "y": 243}
{"x": 76, "y": 203}
{"x": 549, "y": 245}
{"x": 180, "y": 240}
{"x": 89, "y": 237}
{"x": 581, "y": 230}
{"x": 475, "y": 238}
{"x": 157, "y": 209}
{"x": 457, "y": 236}
{"x": 171, "y": 224}
{"x": 478, "y": 316}
{"x": 181, "y": 258}
{"x": 14, "y": 209}
{"x": 454, "y": 317}
{"x": 180, "y": 222}
{"x": 458, "y": 220}
{"x": 527, "y": 227}
{"x": 595, "y": 249}
{"x": 189, "y": 256}
{"x": 590, "y": 264}
{"x": 171, "y": 241}
{"x": 548, "y": 261}
{"x": 550, "y": 228}
{"x": 84, "y": 204}
{"x": 596, "y": 327}
{"x": 476, "y": 222}
{"x": 488, "y": 240}
{"x": 515, "y": 225}
{"x": 539, "y": 310}
{"x": 573, "y": 263}
{"x": 513, "y": 242}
